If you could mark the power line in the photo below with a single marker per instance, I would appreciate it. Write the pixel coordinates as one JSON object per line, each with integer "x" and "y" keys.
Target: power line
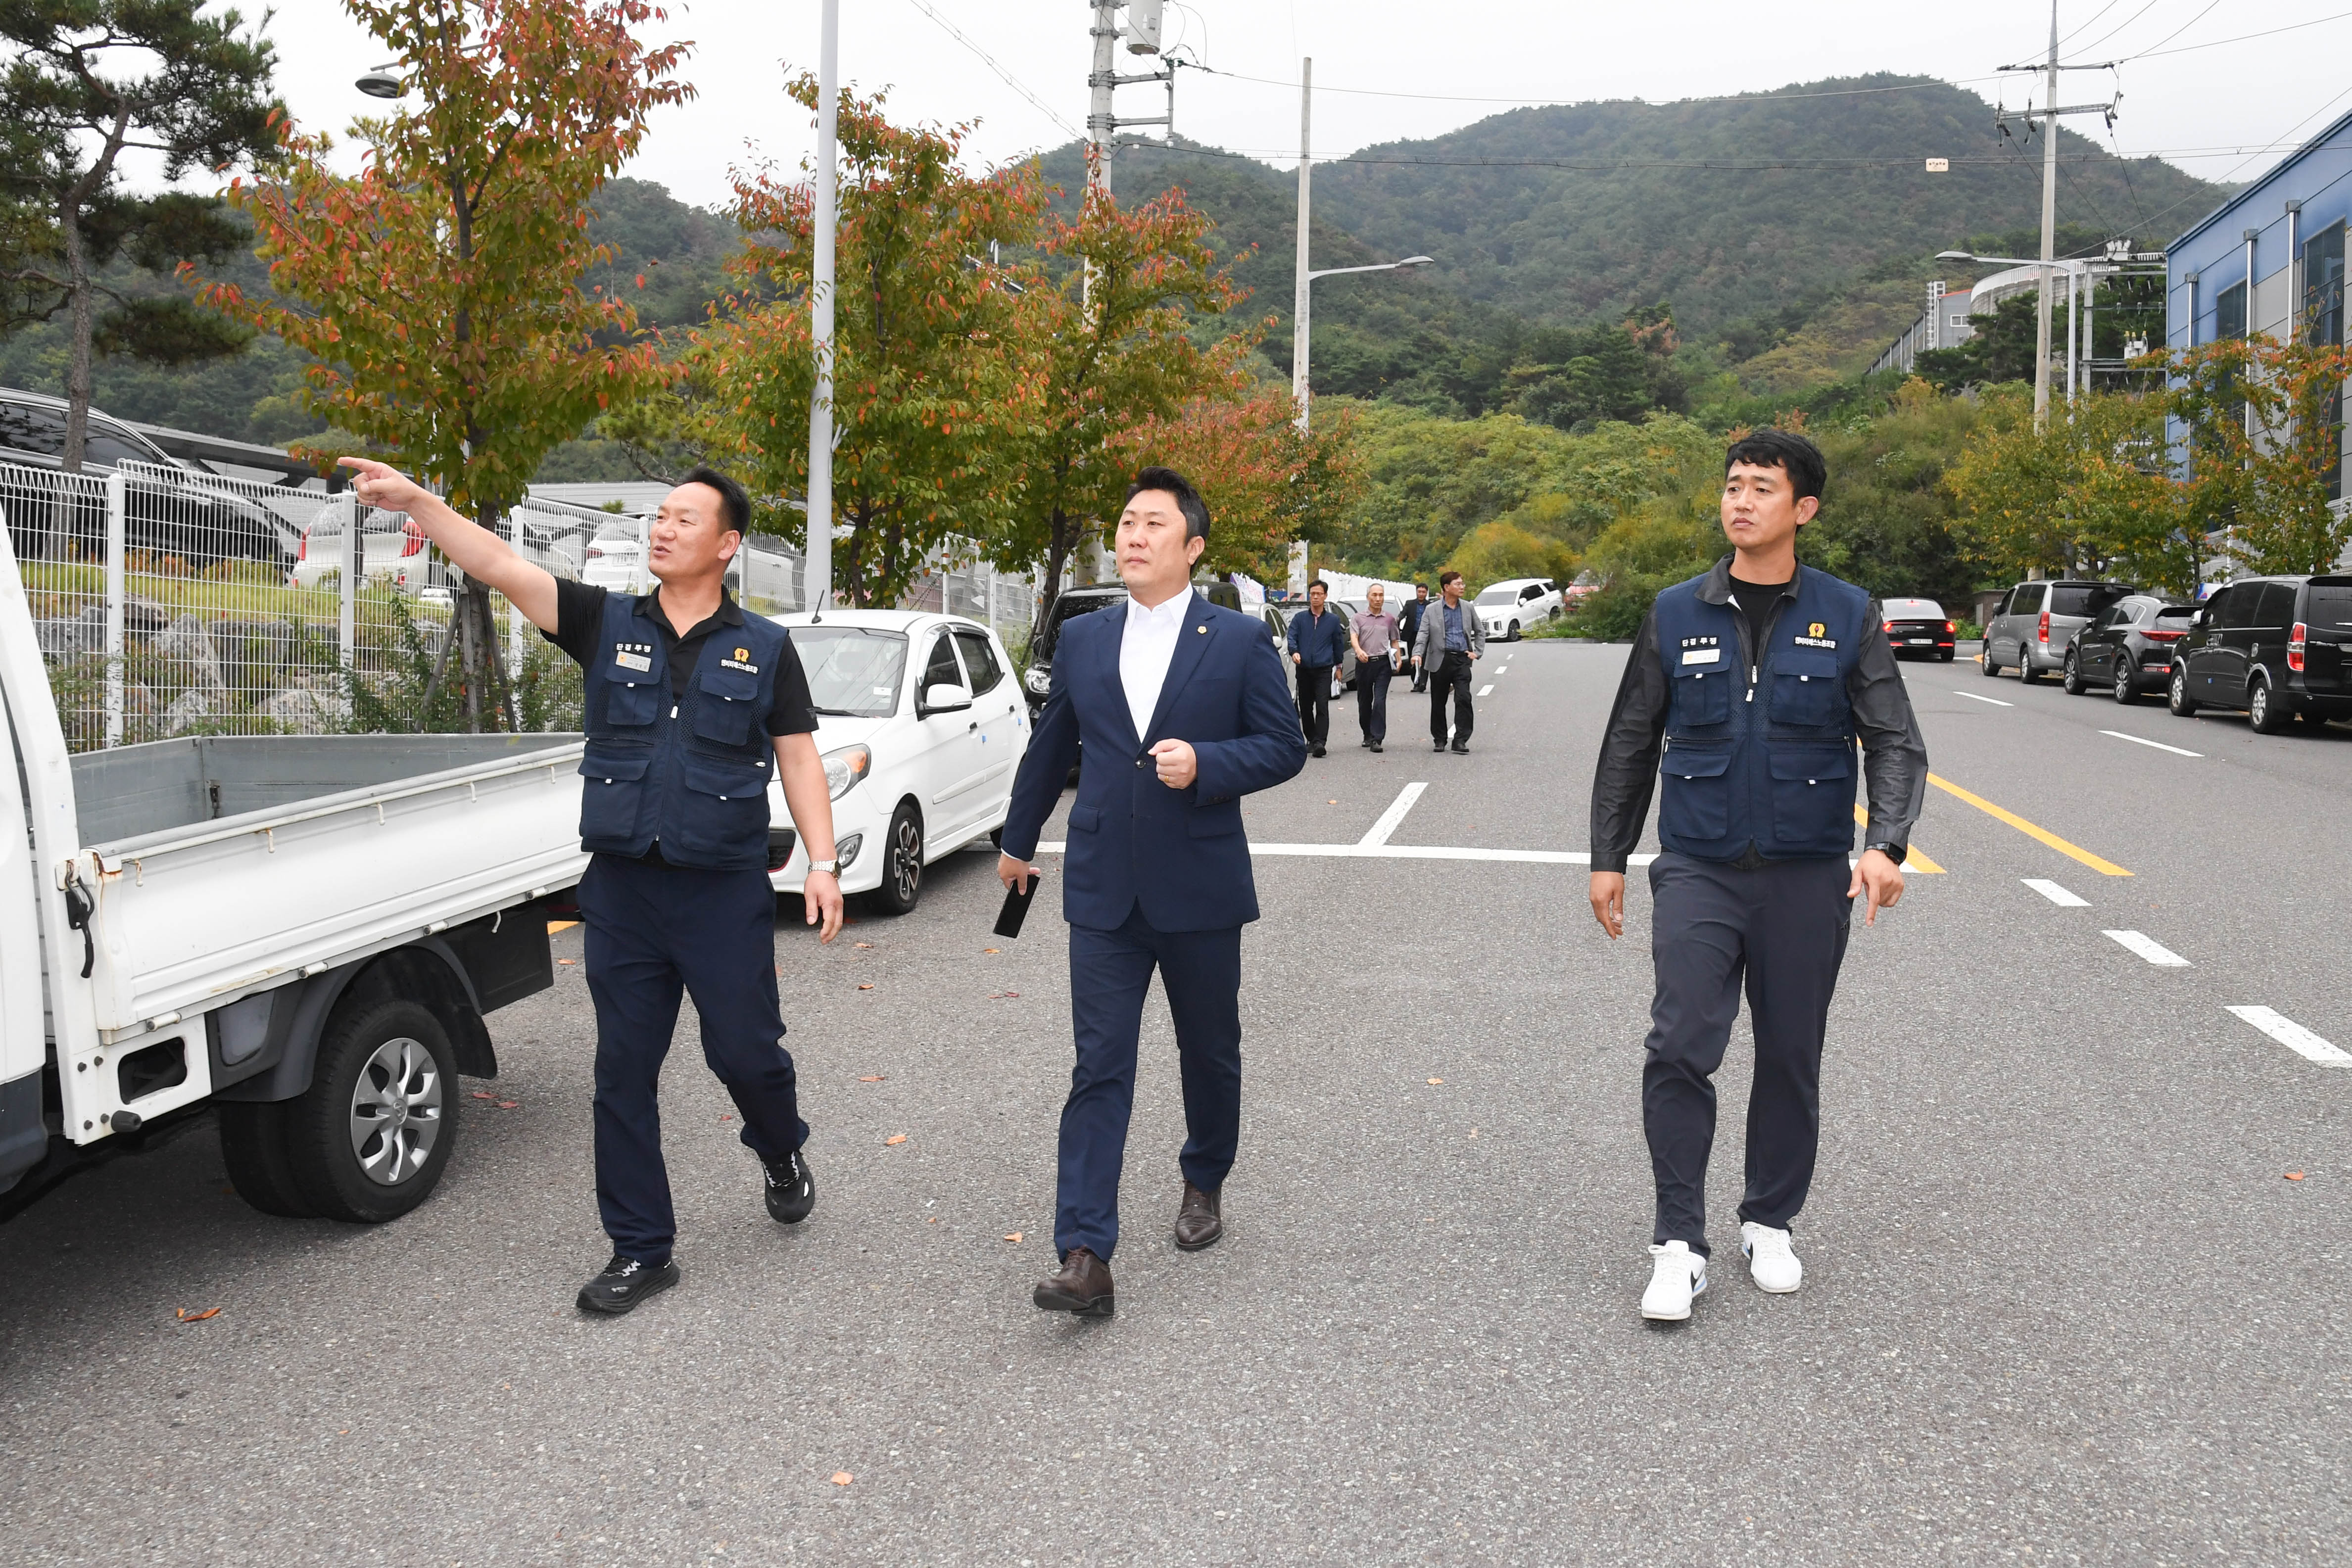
{"x": 2118, "y": 27}
{"x": 989, "y": 60}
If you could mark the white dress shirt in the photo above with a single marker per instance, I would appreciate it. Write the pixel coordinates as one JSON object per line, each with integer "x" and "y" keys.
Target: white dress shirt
{"x": 1145, "y": 649}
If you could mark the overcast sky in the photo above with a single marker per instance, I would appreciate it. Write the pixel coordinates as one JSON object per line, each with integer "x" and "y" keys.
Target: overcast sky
{"x": 2206, "y": 103}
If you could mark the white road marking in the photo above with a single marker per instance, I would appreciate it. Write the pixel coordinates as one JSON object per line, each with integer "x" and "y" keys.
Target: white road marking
{"x": 1391, "y": 819}
{"x": 2292, "y": 1035}
{"x": 2150, "y": 949}
{"x": 1484, "y": 689}
{"x": 2141, "y": 740}
{"x": 1405, "y": 852}
{"x": 2057, "y": 894}
{"x": 1974, "y": 698}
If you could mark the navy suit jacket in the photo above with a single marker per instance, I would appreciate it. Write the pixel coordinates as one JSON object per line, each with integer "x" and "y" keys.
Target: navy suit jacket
{"x": 1181, "y": 853}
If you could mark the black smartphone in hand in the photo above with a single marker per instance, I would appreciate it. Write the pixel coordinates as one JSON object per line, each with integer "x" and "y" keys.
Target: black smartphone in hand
{"x": 1016, "y": 905}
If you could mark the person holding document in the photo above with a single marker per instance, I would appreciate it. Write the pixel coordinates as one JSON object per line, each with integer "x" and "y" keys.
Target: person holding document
{"x": 1183, "y": 709}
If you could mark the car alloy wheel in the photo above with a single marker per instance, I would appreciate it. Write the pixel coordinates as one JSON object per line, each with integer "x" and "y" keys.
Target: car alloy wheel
{"x": 1514, "y": 633}
{"x": 395, "y": 1111}
{"x": 1985, "y": 665}
{"x": 2072, "y": 680}
{"x": 2126, "y": 682}
{"x": 902, "y": 863}
{"x": 2176, "y": 696}
{"x": 2025, "y": 670}
{"x": 2264, "y": 711}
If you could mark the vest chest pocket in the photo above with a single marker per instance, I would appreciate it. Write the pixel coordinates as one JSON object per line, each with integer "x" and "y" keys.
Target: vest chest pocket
{"x": 1696, "y": 802}
{"x": 1701, "y": 697}
{"x": 611, "y": 789}
{"x": 1806, "y": 690}
{"x": 631, "y": 701}
{"x": 1812, "y": 797}
{"x": 721, "y": 814}
{"x": 722, "y": 709}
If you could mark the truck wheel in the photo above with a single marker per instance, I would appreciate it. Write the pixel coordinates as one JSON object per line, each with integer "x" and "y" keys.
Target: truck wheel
{"x": 902, "y": 863}
{"x": 254, "y": 1146}
{"x": 372, "y": 1136}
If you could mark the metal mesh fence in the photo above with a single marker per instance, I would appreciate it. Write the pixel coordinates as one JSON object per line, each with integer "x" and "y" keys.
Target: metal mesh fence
{"x": 171, "y": 602}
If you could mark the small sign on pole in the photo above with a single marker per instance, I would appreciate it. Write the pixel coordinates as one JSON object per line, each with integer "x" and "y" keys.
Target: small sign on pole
{"x": 1939, "y": 165}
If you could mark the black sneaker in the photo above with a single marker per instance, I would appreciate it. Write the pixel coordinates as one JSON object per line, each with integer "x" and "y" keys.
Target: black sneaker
{"x": 791, "y": 1189}
{"x": 1374, "y": 745}
{"x": 1440, "y": 746}
{"x": 623, "y": 1283}
{"x": 1460, "y": 748}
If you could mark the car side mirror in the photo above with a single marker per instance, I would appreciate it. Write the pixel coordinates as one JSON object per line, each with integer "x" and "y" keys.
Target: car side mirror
{"x": 945, "y": 698}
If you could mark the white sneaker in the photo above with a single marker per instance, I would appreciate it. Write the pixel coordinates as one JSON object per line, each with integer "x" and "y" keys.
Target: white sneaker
{"x": 1678, "y": 1275}
{"x": 1771, "y": 1263}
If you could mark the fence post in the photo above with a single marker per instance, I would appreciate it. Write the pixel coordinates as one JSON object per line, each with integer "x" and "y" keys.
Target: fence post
{"x": 117, "y": 498}
{"x": 347, "y": 614}
{"x": 641, "y": 575}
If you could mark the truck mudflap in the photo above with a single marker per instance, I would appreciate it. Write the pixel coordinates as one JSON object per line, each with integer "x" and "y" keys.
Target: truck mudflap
{"x": 24, "y": 1133}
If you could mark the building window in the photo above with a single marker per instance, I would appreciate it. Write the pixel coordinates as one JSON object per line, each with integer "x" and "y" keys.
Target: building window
{"x": 2323, "y": 286}
{"x": 2229, "y": 313}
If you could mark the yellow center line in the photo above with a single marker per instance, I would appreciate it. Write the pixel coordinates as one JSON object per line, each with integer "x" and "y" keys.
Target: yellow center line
{"x": 2103, "y": 867}
{"x": 1911, "y": 860}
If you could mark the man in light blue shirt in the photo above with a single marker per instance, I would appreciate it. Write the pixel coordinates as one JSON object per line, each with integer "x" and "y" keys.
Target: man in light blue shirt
{"x": 1450, "y": 640}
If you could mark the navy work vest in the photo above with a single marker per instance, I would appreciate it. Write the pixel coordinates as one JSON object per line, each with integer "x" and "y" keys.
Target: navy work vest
{"x": 693, "y": 775}
{"x": 1771, "y": 764}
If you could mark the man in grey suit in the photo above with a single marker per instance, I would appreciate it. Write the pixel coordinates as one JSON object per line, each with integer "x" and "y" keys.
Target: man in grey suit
{"x": 1449, "y": 641}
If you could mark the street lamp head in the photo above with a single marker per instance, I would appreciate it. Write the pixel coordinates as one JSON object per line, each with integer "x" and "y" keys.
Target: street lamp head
{"x": 1955, "y": 255}
{"x": 1415, "y": 261}
{"x": 381, "y": 82}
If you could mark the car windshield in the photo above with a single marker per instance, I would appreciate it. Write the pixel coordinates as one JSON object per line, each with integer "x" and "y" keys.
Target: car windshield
{"x": 854, "y": 672}
{"x": 2083, "y": 597}
{"x": 1502, "y": 595}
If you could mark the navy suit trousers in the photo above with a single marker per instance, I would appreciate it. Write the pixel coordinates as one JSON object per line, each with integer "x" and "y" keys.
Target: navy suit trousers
{"x": 1783, "y": 928}
{"x": 1110, "y": 973}
{"x": 656, "y": 933}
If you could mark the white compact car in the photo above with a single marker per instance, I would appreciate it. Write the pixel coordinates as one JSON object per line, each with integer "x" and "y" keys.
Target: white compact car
{"x": 1508, "y": 609}
{"x": 921, "y": 725}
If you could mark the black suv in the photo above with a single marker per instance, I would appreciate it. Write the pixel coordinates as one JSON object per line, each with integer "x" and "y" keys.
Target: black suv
{"x": 170, "y": 509}
{"x": 2127, "y": 649}
{"x": 2278, "y": 647}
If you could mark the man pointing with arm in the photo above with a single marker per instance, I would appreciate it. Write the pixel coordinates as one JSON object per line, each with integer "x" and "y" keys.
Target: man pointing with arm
{"x": 1745, "y": 692}
{"x": 688, "y": 702}
{"x": 1183, "y": 709}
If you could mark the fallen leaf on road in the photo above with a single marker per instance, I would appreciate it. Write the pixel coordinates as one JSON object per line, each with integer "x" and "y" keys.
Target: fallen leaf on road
{"x": 991, "y": 949}
{"x": 1437, "y": 1081}
{"x": 874, "y": 1078}
{"x": 842, "y": 1478}
{"x": 932, "y": 1221}
{"x": 2295, "y": 1176}
{"x": 509, "y": 1104}
{"x": 861, "y": 944}
{"x": 1330, "y": 802}
{"x": 188, "y": 1317}
{"x": 1012, "y": 1236}
{"x": 567, "y": 960}
{"x": 895, "y": 1139}
{"x": 865, "y": 985}
{"x": 1012, "y": 993}
{"x": 484, "y": 1095}
{"x": 725, "y": 1118}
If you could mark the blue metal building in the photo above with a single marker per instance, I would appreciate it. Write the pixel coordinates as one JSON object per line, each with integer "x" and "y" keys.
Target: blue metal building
{"x": 2271, "y": 259}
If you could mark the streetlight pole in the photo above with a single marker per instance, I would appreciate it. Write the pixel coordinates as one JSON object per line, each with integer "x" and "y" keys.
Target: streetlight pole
{"x": 1298, "y": 293}
{"x": 2049, "y": 230}
{"x": 824, "y": 219}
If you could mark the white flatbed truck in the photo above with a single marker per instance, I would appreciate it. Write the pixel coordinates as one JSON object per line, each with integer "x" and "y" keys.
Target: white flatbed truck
{"x": 304, "y": 931}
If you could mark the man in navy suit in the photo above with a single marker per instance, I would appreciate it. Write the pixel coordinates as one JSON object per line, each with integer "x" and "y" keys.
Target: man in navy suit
{"x": 1183, "y": 709}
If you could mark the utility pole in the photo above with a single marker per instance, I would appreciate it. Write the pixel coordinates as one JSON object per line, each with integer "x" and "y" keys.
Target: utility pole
{"x": 824, "y": 218}
{"x": 1299, "y": 298}
{"x": 1101, "y": 80}
{"x": 2049, "y": 231}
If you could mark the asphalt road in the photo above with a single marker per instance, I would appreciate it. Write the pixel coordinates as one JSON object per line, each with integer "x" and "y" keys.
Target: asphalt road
{"x": 2062, "y": 1303}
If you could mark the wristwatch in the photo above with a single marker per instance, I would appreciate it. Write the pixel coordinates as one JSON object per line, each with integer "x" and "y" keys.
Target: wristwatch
{"x": 1893, "y": 852}
{"x": 830, "y": 868}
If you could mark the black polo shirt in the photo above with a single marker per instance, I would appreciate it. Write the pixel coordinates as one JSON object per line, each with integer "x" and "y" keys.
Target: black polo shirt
{"x": 580, "y": 626}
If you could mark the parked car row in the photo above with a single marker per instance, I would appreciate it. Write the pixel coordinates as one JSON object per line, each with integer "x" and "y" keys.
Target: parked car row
{"x": 2278, "y": 648}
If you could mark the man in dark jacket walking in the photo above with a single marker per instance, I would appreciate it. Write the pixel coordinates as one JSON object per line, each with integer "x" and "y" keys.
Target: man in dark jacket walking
{"x": 1319, "y": 642}
{"x": 1746, "y": 691}
{"x": 1409, "y": 629}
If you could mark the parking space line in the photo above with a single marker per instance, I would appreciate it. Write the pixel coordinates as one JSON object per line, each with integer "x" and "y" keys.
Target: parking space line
{"x": 2150, "y": 949}
{"x": 1407, "y": 852}
{"x": 2143, "y": 740}
{"x": 2292, "y": 1035}
{"x": 2103, "y": 867}
{"x": 1974, "y": 698}
{"x": 1912, "y": 859}
{"x": 1484, "y": 689}
{"x": 2055, "y": 894}
{"x": 1391, "y": 818}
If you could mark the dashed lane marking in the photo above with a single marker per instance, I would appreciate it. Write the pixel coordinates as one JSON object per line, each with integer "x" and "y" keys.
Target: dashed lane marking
{"x": 1974, "y": 698}
{"x": 1392, "y": 818}
{"x": 2150, "y": 949}
{"x": 2103, "y": 867}
{"x": 2055, "y": 894}
{"x": 1912, "y": 859}
{"x": 2143, "y": 740}
{"x": 2292, "y": 1035}
{"x": 1484, "y": 689}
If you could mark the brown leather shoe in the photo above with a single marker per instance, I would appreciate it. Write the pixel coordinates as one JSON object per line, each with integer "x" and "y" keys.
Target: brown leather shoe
{"x": 1199, "y": 1222}
{"x": 1082, "y": 1286}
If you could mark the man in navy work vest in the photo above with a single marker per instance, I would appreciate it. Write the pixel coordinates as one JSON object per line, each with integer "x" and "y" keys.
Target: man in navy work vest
{"x": 682, "y": 730}
{"x": 1183, "y": 710}
{"x": 1747, "y": 689}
